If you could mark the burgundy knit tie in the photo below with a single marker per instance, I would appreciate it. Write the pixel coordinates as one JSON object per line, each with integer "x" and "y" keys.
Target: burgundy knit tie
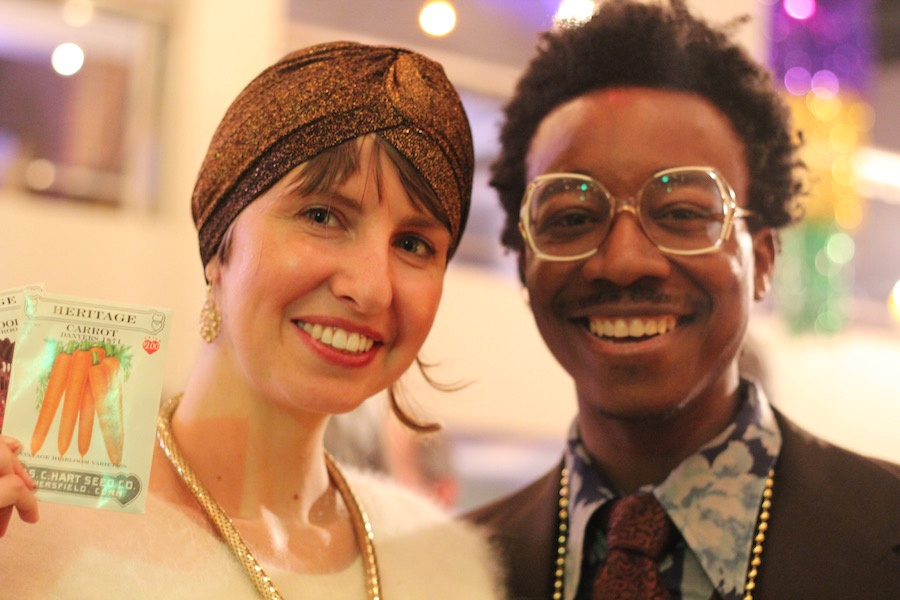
{"x": 638, "y": 535}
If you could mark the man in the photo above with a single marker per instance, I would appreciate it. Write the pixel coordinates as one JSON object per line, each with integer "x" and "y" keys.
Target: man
{"x": 647, "y": 166}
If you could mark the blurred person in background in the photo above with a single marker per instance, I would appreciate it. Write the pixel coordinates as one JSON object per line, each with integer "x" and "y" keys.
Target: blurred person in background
{"x": 372, "y": 439}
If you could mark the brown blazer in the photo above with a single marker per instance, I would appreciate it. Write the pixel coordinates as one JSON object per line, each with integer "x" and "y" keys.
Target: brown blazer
{"x": 834, "y": 529}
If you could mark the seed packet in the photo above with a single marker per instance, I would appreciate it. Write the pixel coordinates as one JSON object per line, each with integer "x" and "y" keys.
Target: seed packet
{"x": 83, "y": 398}
{"x": 11, "y": 305}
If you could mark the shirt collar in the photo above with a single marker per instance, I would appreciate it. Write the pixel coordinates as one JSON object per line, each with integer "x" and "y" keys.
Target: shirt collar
{"x": 716, "y": 490}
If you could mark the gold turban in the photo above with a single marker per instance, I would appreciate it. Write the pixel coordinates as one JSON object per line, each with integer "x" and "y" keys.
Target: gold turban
{"x": 320, "y": 97}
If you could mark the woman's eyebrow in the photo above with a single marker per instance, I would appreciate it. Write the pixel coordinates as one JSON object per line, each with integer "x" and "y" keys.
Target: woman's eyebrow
{"x": 423, "y": 220}
{"x": 297, "y": 186}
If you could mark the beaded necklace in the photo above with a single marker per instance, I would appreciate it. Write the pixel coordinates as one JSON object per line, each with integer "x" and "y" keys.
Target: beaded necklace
{"x": 562, "y": 537}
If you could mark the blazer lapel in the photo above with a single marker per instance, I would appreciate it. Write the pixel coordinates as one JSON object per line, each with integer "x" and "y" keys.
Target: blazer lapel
{"x": 523, "y": 528}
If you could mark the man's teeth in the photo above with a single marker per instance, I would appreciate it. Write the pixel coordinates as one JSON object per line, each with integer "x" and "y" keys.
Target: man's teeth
{"x": 634, "y": 328}
{"x": 338, "y": 338}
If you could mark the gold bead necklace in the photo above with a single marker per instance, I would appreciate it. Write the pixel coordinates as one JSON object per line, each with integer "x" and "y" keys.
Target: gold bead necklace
{"x": 264, "y": 585}
{"x": 562, "y": 536}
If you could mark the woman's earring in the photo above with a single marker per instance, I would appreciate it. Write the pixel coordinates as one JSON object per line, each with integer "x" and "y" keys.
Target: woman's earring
{"x": 210, "y": 318}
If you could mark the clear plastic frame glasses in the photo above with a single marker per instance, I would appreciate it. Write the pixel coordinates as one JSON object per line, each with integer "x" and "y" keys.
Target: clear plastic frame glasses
{"x": 683, "y": 211}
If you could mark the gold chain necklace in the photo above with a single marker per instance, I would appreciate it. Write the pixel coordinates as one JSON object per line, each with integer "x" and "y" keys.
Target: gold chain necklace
{"x": 264, "y": 585}
{"x": 562, "y": 537}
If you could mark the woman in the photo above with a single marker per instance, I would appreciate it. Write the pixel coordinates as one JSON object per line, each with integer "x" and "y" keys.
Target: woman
{"x": 332, "y": 196}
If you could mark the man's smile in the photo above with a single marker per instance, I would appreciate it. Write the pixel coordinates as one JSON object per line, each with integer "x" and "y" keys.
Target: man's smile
{"x": 631, "y": 327}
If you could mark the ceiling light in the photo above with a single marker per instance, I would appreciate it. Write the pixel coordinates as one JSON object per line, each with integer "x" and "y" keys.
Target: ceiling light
{"x": 67, "y": 59}
{"x": 437, "y": 18}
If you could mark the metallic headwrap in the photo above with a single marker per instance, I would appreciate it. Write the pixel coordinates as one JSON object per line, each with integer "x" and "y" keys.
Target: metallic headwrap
{"x": 320, "y": 97}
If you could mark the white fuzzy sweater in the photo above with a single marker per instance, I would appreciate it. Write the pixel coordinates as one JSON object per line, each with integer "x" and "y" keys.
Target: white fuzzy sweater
{"x": 77, "y": 553}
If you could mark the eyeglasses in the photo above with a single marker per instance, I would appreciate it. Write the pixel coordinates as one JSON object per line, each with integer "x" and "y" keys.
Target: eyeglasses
{"x": 683, "y": 211}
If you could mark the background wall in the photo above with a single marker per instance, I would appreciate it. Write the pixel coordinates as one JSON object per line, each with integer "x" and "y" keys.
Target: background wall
{"x": 519, "y": 402}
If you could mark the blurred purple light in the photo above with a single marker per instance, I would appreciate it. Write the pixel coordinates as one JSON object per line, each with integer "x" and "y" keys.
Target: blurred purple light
{"x": 825, "y": 84}
{"x": 797, "y": 81}
{"x": 800, "y": 9}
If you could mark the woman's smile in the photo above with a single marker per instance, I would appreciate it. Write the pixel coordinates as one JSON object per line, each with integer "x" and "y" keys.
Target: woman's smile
{"x": 351, "y": 342}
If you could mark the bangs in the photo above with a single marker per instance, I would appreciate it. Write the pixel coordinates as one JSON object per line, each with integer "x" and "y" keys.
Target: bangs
{"x": 332, "y": 167}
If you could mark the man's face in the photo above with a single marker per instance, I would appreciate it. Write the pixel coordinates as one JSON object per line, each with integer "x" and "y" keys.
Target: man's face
{"x": 646, "y": 334}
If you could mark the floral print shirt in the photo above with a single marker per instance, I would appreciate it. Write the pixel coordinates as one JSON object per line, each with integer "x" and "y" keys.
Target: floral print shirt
{"x": 713, "y": 497}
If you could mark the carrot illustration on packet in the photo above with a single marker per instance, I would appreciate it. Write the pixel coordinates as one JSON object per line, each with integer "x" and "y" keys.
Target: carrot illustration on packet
{"x": 56, "y": 386}
{"x": 81, "y": 360}
{"x": 86, "y": 413}
{"x": 87, "y": 379}
{"x": 106, "y": 388}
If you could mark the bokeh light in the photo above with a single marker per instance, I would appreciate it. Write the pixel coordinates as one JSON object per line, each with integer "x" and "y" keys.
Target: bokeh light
{"x": 77, "y": 13}
{"x": 437, "y": 18}
{"x": 848, "y": 214}
{"x": 574, "y": 11}
{"x": 40, "y": 174}
{"x": 840, "y": 248}
{"x": 843, "y": 169}
{"x": 67, "y": 59}
{"x": 824, "y": 108}
{"x": 800, "y": 9}
{"x": 844, "y": 138}
{"x": 894, "y": 302}
{"x": 829, "y": 320}
{"x": 797, "y": 81}
{"x": 825, "y": 84}
{"x": 823, "y": 55}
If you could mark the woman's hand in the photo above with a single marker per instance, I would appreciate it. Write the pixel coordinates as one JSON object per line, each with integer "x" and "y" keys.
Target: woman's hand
{"x": 16, "y": 486}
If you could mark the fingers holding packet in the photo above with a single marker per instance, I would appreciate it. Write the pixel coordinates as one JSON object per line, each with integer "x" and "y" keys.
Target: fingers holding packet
{"x": 16, "y": 486}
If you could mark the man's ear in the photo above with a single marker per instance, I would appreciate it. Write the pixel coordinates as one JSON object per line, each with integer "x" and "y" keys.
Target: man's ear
{"x": 765, "y": 247}
{"x": 520, "y": 261}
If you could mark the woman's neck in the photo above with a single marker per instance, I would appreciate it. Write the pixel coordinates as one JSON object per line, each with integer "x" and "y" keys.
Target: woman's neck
{"x": 286, "y": 513}
{"x": 256, "y": 457}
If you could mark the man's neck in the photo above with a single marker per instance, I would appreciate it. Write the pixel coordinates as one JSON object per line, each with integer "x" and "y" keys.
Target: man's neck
{"x": 636, "y": 452}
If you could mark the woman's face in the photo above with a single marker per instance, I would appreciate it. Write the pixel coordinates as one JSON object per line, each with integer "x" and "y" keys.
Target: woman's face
{"x": 327, "y": 297}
